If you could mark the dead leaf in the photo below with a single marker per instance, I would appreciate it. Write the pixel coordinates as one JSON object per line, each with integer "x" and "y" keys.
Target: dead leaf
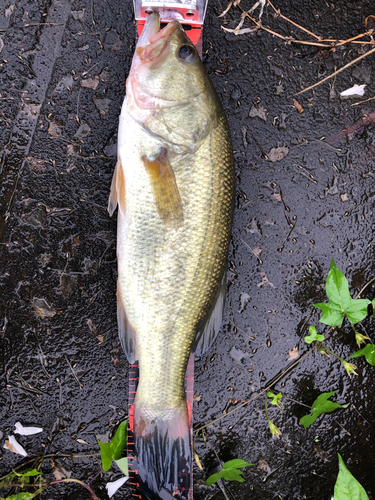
{"x": 258, "y": 112}
{"x": 91, "y": 325}
{"x": 54, "y": 129}
{"x": 263, "y": 465}
{"x": 102, "y": 105}
{"x": 265, "y": 281}
{"x": 60, "y": 472}
{"x": 197, "y": 398}
{"x": 277, "y": 154}
{"x": 276, "y": 197}
{"x": 293, "y": 354}
{"x": 90, "y": 83}
{"x": 43, "y": 309}
{"x": 100, "y": 338}
{"x": 344, "y": 197}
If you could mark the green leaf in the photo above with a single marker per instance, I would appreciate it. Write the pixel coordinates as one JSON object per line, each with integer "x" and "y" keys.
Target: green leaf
{"x": 337, "y": 287}
{"x": 229, "y": 472}
{"x": 368, "y": 352}
{"x": 237, "y": 463}
{"x": 28, "y": 473}
{"x": 214, "y": 478}
{"x": 314, "y": 336}
{"x": 119, "y": 440}
{"x": 233, "y": 475}
{"x": 113, "y": 450}
{"x": 20, "y": 496}
{"x": 319, "y": 406}
{"x": 357, "y": 310}
{"x": 123, "y": 465}
{"x": 106, "y": 455}
{"x": 347, "y": 487}
{"x": 275, "y": 398}
{"x": 332, "y": 314}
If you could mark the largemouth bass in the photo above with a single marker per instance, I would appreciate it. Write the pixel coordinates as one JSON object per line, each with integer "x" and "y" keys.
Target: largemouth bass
{"x": 174, "y": 186}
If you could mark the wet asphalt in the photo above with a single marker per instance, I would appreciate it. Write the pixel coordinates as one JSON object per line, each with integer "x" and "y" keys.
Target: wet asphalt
{"x": 305, "y": 194}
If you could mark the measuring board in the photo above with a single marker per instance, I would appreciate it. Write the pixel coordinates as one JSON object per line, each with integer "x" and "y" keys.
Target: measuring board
{"x": 132, "y": 459}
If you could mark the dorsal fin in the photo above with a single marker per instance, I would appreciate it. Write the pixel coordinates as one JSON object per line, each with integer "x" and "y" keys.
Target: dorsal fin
{"x": 164, "y": 187}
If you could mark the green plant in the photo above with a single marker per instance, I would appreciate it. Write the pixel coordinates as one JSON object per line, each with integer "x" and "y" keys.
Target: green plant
{"x": 276, "y": 401}
{"x": 319, "y": 406}
{"x": 229, "y": 472}
{"x": 347, "y": 487}
{"x": 34, "y": 479}
{"x": 113, "y": 450}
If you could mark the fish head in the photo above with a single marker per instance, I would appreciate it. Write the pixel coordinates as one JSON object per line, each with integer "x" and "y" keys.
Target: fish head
{"x": 168, "y": 89}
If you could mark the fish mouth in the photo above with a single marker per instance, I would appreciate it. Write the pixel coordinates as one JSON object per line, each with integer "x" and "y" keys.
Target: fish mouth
{"x": 152, "y": 42}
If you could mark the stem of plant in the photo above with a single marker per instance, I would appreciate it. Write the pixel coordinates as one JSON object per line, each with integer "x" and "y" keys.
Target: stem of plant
{"x": 44, "y": 485}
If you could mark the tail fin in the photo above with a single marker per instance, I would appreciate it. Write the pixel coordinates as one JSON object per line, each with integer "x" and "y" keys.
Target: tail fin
{"x": 163, "y": 448}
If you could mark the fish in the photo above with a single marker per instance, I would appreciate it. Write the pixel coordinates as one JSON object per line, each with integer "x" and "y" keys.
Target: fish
{"x": 173, "y": 185}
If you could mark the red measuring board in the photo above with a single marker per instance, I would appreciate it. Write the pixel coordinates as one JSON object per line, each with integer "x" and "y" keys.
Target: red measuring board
{"x": 132, "y": 458}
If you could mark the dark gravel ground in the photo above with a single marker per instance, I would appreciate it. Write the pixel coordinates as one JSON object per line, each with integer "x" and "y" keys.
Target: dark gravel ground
{"x": 63, "y": 67}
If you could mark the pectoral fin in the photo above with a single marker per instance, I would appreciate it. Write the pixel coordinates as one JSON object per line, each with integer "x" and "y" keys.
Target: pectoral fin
{"x": 164, "y": 188}
{"x": 125, "y": 330}
{"x": 117, "y": 195}
{"x": 210, "y": 326}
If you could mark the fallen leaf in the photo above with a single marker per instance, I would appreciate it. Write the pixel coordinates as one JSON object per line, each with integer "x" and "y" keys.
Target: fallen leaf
{"x": 83, "y": 131}
{"x": 54, "y": 129}
{"x": 263, "y": 465}
{"x": 293, "y": 354}
{"x": 244, "y": 298}
{"x": 197, "y": 398}
{"x": 277, "y": 154}
{"x": 91, "y": 325}
{"x": 61, "y": 473}
{"x": 102, "y": 105}
{"x": 90, "y": 83}
{"x": 258, "y": 112}
{"x": 43, "y": 309}
{"x": 344, "y": 197}
{"x": 265, "y": 281}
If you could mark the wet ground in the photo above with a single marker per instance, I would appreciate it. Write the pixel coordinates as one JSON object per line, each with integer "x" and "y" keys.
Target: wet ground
{"x": 63, "y": 67}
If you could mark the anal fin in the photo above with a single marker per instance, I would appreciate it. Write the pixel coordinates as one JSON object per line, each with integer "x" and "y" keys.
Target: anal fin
{"x": 117, "y": 195}
{"x": 209, "y": 327}
{"x": 126, "y": 331}
{"x": 164, "y": 187}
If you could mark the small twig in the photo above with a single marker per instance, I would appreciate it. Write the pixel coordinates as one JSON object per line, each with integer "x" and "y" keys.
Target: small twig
{"x": 364, "y": 288}
{"x": 278, "y": 13}
{"x": 370, "y": 32}
{"x": 74, "y": 375}
{"x": 336, "y": 72}
{"x": 362, "y": 102}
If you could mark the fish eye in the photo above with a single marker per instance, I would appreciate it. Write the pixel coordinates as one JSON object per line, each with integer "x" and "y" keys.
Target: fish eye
{"x": 186, "y": 52}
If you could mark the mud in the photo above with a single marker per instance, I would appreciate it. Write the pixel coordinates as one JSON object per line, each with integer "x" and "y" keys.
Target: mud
{"x": 63, "y": 68}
